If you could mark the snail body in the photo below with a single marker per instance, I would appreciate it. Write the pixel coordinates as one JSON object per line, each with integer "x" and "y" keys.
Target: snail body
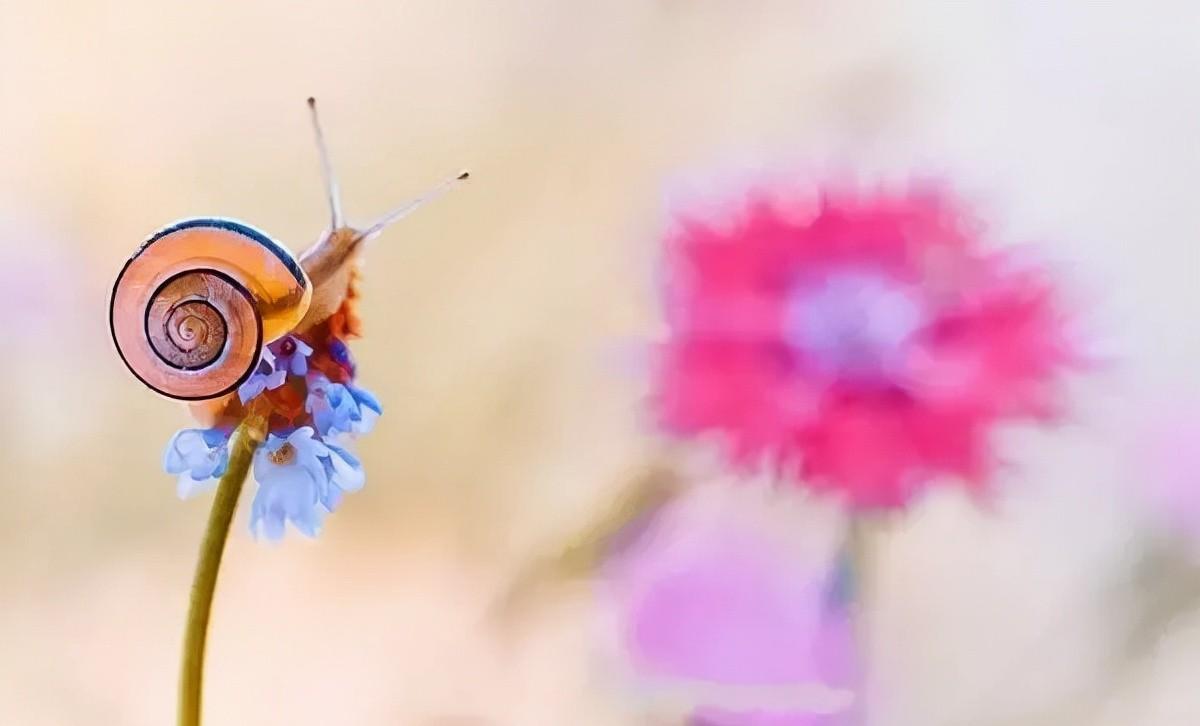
{"x": 333, "y": 263}
{"x": 194, "y": 306}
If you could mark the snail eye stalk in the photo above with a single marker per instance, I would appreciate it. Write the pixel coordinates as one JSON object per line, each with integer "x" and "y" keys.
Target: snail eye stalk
{"x": 333, "y": 192}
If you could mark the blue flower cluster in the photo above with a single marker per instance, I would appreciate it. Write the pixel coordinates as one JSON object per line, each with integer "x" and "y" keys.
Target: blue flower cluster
{"x": 302, "y": 473}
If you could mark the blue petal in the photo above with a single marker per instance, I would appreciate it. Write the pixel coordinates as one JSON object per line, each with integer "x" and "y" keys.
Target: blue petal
{"x": 198, "y": 454}
{"x": 366, "y": 421}
{"x": 331, "y": 500}
{"x": 289, "y": 492}
{"x": 285, "y": 494}
{"x": 253, "y": 386}
{"x": 365, "y": 398}
{"x": 222, "y": 465}
{"x": 187, "y": 487}
{"x": 332, "y": 406}
{"x": 266, "y": 376}
{"x": 344, "y": 473}
{"x": 214, "y": 437}
{"x": 348, "y": 472}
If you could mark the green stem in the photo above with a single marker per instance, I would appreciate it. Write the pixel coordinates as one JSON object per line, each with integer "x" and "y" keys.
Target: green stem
{"x": 857, "y": 552}
{"x": 585, "y": 551}
{"x": 191, "y": 670}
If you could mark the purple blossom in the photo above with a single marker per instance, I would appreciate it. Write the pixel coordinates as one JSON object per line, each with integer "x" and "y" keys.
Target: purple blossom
{"x": 344, "y": 473}
{"x": 291, "y": 355}
{"x": 339, "y": 408}
{"x": 291, "y": 480}
{"x": 300, "y": 479}
{"x": 265, "y": 377}
{"x": 731, "y": 617}
{"x": 198, "y": 456}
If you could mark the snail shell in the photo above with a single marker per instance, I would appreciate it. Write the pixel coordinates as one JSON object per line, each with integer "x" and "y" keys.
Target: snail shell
{"x": 195, "y": 304}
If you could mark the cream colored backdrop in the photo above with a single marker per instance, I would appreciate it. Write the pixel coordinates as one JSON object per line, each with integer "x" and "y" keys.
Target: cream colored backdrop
{"x": 502, "y": 328}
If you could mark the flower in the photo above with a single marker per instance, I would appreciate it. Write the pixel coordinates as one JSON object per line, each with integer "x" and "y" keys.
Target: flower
{"x": 265, "y": 377}
{"x": 291, "y": 355}
{"x": 340, "y": 408}
{"x": 300, "y": 479}
{"x": 291, "y": 482}
{"x": 734, "y": 619}
{"x": 332, "y": 407}
{"x": 198, "y": 456}
{"x": 305, "y": 393}
{"x": 344, "y": 473}
{"x": 867, "y": 346}
{"x": 369, "y": 408}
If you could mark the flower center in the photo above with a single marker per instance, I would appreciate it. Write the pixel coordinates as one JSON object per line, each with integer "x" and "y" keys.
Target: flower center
{"x": 287, "y": 347}
{"x": 283, "y": 455}
{"x": 852, "y": 325}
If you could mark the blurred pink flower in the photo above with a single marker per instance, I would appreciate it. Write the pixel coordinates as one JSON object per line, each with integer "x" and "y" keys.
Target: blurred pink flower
{"x": 735, "y": 621}
{"x": 866, "y": 344}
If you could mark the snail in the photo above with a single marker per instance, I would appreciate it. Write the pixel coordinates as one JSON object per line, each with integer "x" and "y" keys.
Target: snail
{"x": 194, "y": 306}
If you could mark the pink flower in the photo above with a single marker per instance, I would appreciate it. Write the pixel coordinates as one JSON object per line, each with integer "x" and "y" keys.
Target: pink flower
{"x": 732, "y": 619}
{"x": 867, "y": 345}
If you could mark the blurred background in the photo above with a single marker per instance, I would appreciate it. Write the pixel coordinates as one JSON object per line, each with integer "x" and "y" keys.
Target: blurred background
{"x": 503, "y": 327}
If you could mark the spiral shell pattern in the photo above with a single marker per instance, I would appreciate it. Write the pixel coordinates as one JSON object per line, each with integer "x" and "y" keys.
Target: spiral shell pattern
{"x": 194, "y": 306}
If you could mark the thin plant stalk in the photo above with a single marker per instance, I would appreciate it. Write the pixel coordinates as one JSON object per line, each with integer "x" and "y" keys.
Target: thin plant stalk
{"x": 580, "y": 557}
{"x": 858, "y": 559}
{"x": 245, "y": 441}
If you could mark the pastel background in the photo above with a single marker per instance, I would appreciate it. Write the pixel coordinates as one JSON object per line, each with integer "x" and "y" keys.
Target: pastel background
{"x": 503, "y": 326}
